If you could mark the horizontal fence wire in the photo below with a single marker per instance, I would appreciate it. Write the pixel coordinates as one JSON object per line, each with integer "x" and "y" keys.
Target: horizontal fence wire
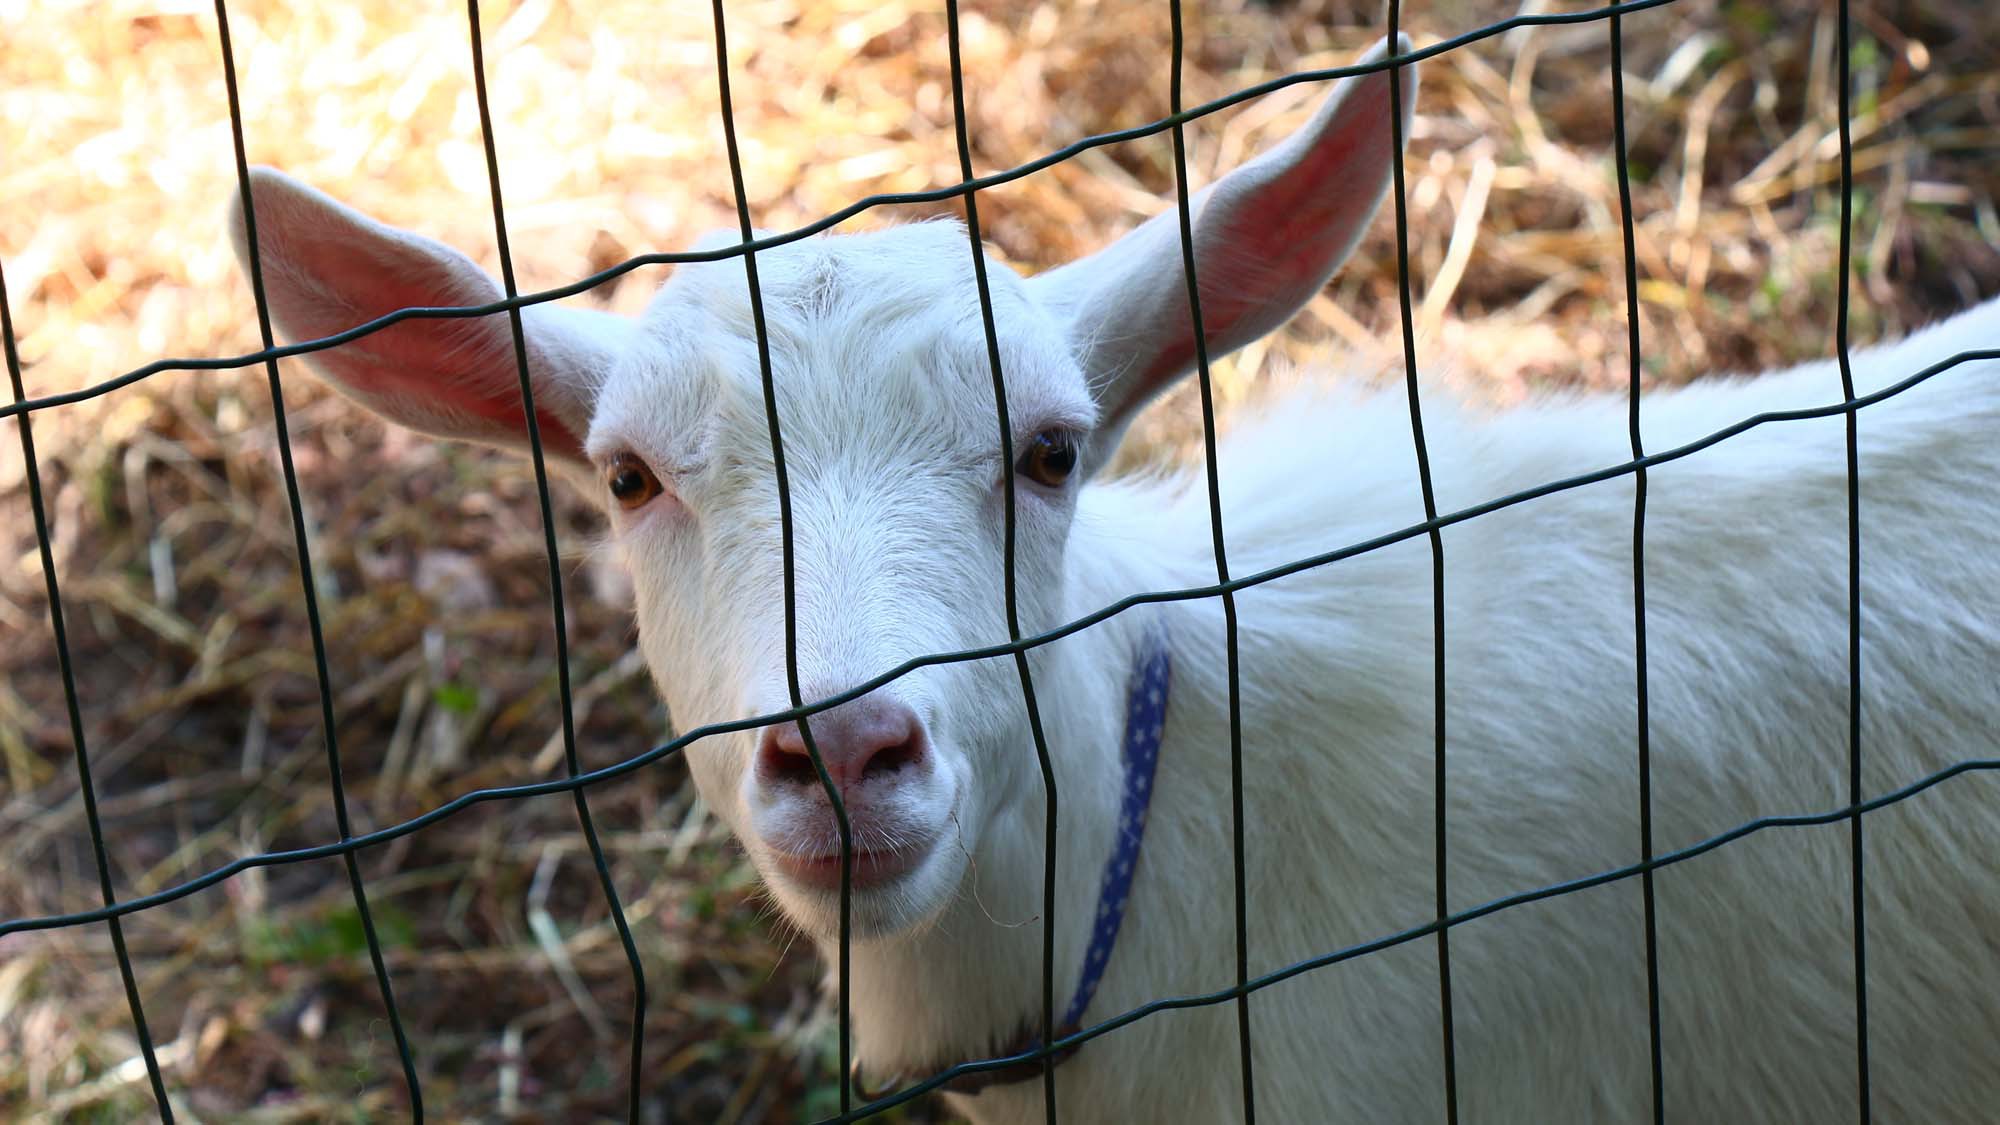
{"x": 1018, "y": 646}
{"x": 1190, "y": 593}
{"x": 833, "y": 219}
{"x": 1403, "y": 937}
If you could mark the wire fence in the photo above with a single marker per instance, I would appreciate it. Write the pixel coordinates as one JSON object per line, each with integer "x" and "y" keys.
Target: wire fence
{"x": 1017, "y": 646}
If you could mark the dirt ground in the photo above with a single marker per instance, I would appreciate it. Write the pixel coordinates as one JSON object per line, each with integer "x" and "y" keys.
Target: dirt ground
{"x": 173, "y": 537}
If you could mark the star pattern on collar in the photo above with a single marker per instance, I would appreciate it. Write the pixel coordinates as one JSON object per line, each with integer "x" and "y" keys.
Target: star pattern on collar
{"x": 1145, "y": 723}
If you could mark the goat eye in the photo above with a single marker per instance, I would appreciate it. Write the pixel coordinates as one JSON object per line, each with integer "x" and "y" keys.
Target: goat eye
{"x": 632, "y": 484}
{"x": 1050, "y": 458}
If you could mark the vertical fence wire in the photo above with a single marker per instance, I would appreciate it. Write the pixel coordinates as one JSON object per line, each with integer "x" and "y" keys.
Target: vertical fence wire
{"x": 1446, "y": 1029}
{"x": 1184, "y": 208}
{"x": 637, "y": 1048}
{"x": 86, "y": 788}
{"x": 1006, "y": 426}
{"x": 1641, "y": 684}
{"x": 306, "y": 580}
{"x": 1846, "y": 281}
{"x": 783, "y": 481}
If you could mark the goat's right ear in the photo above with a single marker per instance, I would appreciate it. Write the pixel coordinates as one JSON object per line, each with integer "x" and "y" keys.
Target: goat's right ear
{"x": 1267, "y": 236}
{"x": 327, "y": 267}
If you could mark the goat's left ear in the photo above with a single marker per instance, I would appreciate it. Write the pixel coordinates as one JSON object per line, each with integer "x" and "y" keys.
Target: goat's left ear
{"x": 1267, "y": 236}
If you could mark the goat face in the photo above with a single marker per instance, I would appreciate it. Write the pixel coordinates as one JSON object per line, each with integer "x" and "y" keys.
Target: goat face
{"x": 897, "y": 490}
{"x": 884, "y": 393}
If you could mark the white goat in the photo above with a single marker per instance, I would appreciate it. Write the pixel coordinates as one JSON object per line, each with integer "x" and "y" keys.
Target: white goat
{"x": 884, "y": 395}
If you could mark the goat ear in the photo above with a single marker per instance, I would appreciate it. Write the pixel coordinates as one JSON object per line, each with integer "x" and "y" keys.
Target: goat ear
{"x": 1267, "y": 236}
{"x": 327, "y": 268}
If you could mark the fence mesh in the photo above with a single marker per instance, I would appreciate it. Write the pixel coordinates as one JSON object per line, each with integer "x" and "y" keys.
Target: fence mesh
{"x": 578, "y": 780}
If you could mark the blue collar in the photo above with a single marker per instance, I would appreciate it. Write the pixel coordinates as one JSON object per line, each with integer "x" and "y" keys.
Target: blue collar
{"x": 1145, "y": 720}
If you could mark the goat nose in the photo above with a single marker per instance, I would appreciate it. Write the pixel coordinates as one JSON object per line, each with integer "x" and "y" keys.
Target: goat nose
{"x": 860, "y": 740}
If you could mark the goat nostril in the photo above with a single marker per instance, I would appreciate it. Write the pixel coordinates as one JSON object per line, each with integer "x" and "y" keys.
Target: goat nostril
{"x": 874, "y": 740}
{"x": 784, "y": 761}
{"x": 889, "y": 759}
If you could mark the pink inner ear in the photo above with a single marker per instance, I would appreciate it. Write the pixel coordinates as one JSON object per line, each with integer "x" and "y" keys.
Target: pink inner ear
{"x": 1263, "y": 252}
{"x": 506, "y": 414}
{"x": 451, "y": 371}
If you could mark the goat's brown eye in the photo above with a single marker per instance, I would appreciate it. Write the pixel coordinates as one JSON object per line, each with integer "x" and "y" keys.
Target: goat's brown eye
{"x": 1049, "y": 459}
{"x": 632, "y": 484}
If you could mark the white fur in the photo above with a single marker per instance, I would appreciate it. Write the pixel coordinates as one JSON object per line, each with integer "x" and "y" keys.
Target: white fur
{"x": 885, "y": 398}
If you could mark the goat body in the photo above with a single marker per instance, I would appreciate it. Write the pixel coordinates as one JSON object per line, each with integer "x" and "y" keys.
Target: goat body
{"x": 1747, "y": 670}
{"x": 881, "y": 372}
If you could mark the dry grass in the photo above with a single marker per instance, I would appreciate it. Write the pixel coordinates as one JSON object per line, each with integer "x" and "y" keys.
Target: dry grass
{"x": 174, "y": 543}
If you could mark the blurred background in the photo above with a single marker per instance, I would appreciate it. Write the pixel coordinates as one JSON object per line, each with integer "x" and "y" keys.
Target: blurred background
{"x": 174, "y": 543}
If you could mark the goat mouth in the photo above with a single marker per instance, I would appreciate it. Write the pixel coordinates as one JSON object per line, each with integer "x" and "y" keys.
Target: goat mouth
{"x": 871, "y": 868}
